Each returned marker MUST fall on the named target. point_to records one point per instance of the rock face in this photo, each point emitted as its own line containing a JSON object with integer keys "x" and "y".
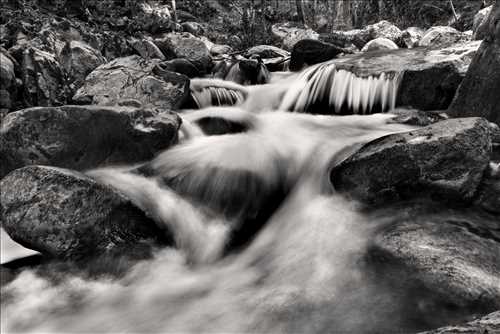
{"x": 290, "y": 34}
{"x": 185, "y": 45}
{"x": 429, "y": 78}
{"x": 78, "y": 60}
{"x": 488, "y": 324}
{"x": 446, "y": 159}
{"x": 478, "y": 93}
{"x": 480, "y": 26}
{"x": 441, "y": 36}
{"x": 64, "y": 214}
{"x": 380, "y": 43}
{"x": 43, "y": 78}
{"x": 450, "y": 256}
{"x": 83, "y": 137}
{"x": 134, "y": 78}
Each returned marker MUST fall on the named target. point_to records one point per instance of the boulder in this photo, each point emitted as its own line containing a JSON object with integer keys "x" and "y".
{"x": 185, "y": 45}
{"x": 308, "y": 52}
{"x": 146, "y": 49}
{"x": 488, "y": 194}
{"x": 489, "y": 323}
{"x": 380, "y": 43}
{"x": 410, "y": 37}
{"x": 182, "y": 66}
{"x": 79, "y": 59}
{"x": 480, "y": 25}
{"x": 428, "y": 79}
{"x": 449, "y": 257}
{"x": 289, "y": 34}
{"x": 441, "y": 36}
{"x": 193, "y": 28}
{"x": 220, "y": 49}
{"x": 267, "y": 51}
{"x": 65, "y": 214}
{"x": 83, "y": 137}
{"x": 446, "y": 159}
{"x": 384, "y": 29}
{"x": 44, "y": 80}
{"x": 7, "y": 81}
{"x": 478, "y": 93}
{"x": 134, "y": 78}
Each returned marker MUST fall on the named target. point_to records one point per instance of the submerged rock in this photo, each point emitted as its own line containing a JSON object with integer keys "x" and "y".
{"x": 446, "y": 159}
{"x": 65, "y": 214}
{"x": 380, "y": 43}
{"x": 448, "y": 256}
{"x": 134, "y": 78}
{"x": 80, "y": 137}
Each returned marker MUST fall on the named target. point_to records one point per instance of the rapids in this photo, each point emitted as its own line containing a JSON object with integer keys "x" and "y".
{"x": 263, "y": 243}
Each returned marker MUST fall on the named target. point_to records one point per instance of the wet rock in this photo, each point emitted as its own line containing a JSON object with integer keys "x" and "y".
{"x": 380, "y": 43}
{"x": 441, "y": 36}
{"x": 450, "y": 256}
{"x": 410, "y": 37}
{"x": 44, "y": 80}
{"x": 485, "y": 325}
{"x": 446, "y": 159}
{"x": 267, "y": 51}
{"x": 429, "y": 78}
{"x": 308, "y": 52}
{"x": 65, "y": 214}
{"x": 417, "y": 117}
{"x": 134, "y": 78}
{"x": 83, "y": 137}
{"x": 478, "y": 93}
{"x": 185, "y": 45}
{"x": 78, "y": 60}
{"x": 480, "y": 26}
{"x": 290, "y": 33}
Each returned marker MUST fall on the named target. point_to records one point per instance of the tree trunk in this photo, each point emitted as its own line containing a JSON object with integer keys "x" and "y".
{"x": 478, "y": 93}
{"x": 174, "y": 11}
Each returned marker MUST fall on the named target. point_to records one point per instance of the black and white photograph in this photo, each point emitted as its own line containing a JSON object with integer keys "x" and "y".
{"x": 250, "y": 166}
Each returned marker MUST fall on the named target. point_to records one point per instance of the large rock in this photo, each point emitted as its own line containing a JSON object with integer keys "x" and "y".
{"x": 79, "y": 59}
{"x": 146, "y": 48}
{"x": 7, "y": 81}
{"x": 478, "y": 93}
{"x": 44, "y": 80}
{"x": 134, "y": 78}
{"x": 80, "y": 137}
{"x": 185, "y": 45}
{"x": 446, "y": 159}
{"x": 308, "y": 52}
{"x": 384, "y": 29}
{"x": 267, "y": 51}
{"x": 64, "y": 214}
{"x": 428, "y": 79}
{"x": 480, "y": 26}
{"x": 441, "y": 36}
{"x": 490, "y": 323}
{"x": 380, "y": 43}
{"x": 289, "y": 34}
{"x": 449, "y": 257}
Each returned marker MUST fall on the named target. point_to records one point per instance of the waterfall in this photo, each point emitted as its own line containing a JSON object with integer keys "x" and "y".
{"x": 339, "y": 91}
{"x": 214, "y": 92}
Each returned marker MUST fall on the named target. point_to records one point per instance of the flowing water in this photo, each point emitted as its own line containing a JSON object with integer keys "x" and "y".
{"x": 298, "y": 265}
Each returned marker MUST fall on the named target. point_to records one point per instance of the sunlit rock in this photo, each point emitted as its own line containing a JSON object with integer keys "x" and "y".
{"x": 290, "y": 33}
{"x": 380, "y": 43}
{"x": 441, "y": 36}
{"x": 480, "y": 27}
{"x": 487, "y": 324}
